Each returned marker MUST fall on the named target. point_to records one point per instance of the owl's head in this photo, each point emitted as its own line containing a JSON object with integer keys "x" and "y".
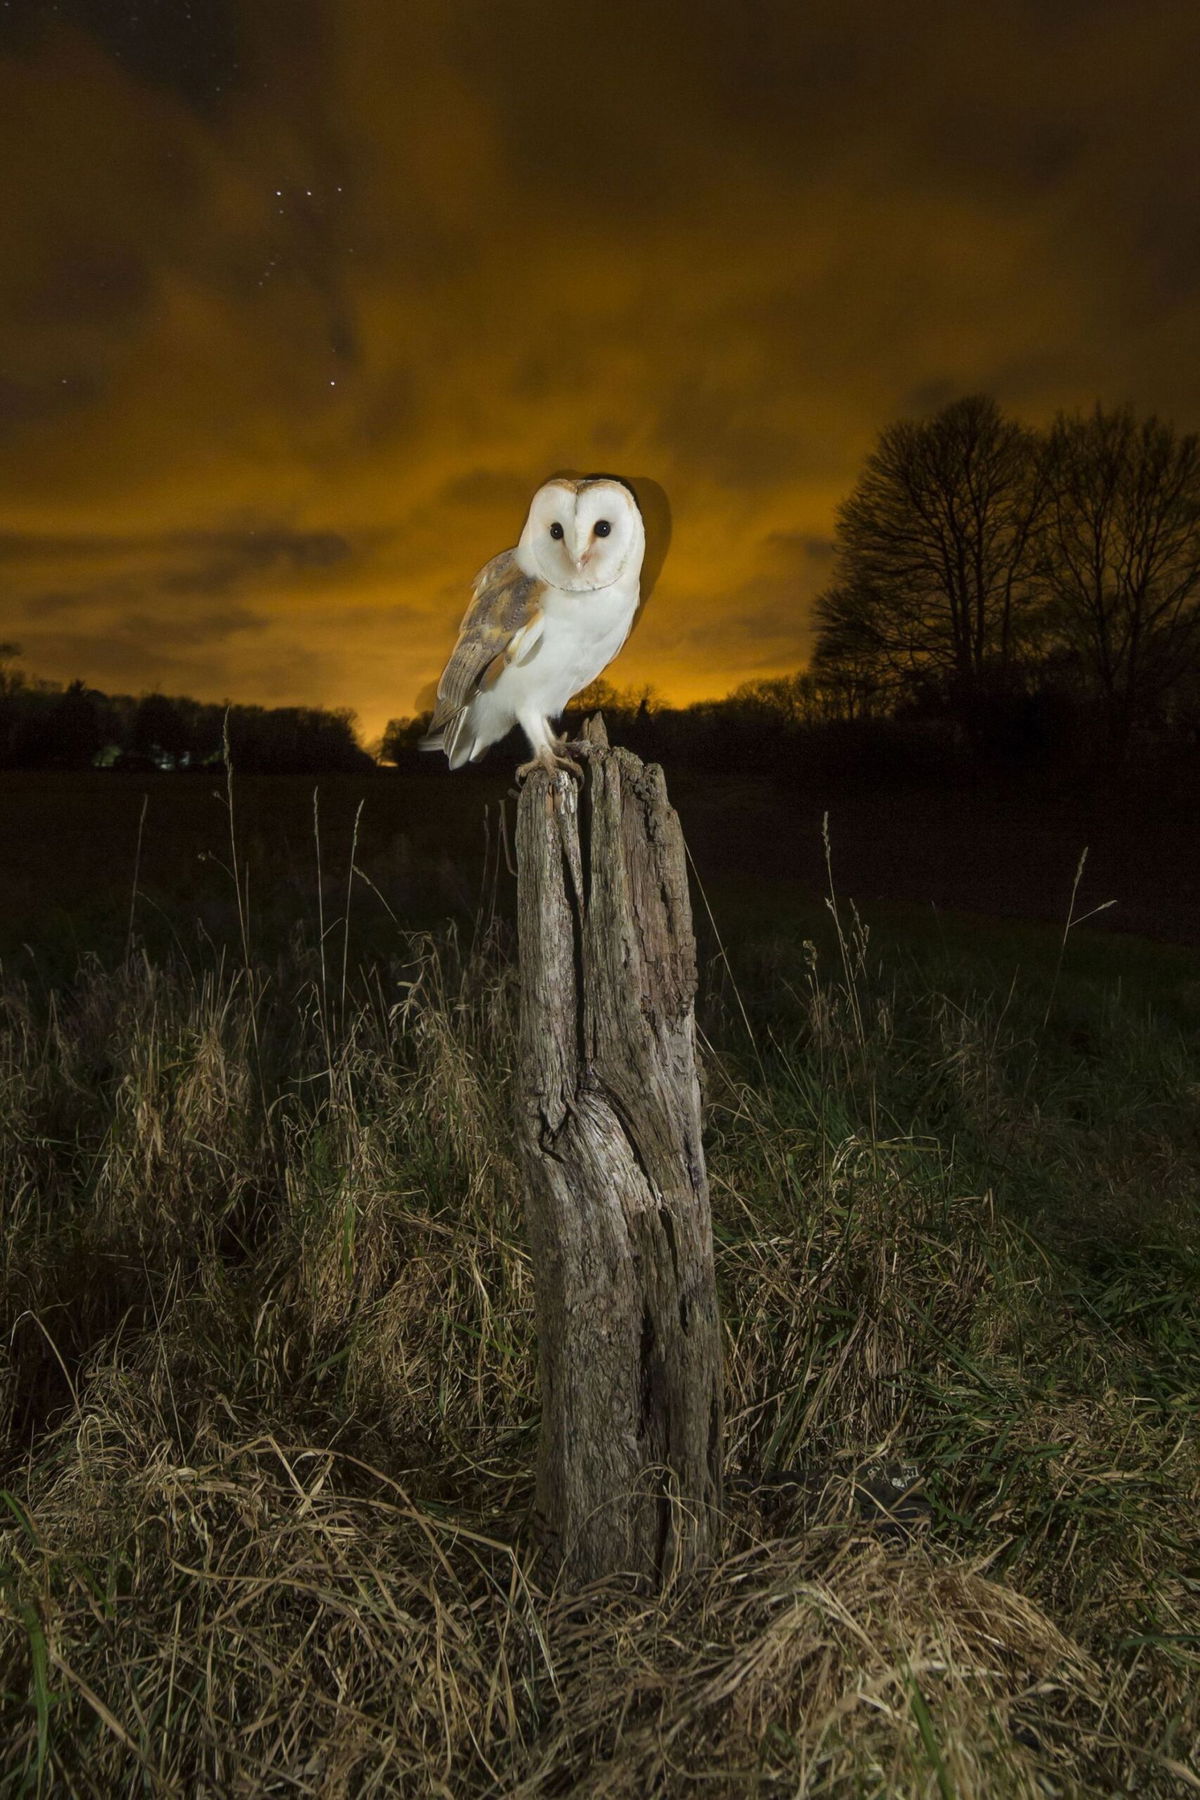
{"x": 582, "y": 535}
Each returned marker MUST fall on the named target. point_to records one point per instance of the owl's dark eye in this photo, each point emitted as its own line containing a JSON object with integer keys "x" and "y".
{"x": 556, "y": 530}
{"x": 602, "y": 528}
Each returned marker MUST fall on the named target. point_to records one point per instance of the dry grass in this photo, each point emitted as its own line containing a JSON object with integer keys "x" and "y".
{"x": 280, "y": 1619}
{"x": 269, "y": 1390}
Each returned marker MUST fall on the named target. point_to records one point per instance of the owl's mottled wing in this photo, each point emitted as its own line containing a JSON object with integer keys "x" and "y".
{"x": 503, "y": 624}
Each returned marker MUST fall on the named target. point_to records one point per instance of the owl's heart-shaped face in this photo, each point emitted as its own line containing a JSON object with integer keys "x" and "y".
{"x": 583, "y": 535}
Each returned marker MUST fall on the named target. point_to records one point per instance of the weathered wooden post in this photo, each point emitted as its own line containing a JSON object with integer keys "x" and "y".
{"x": 629, "y": 1459}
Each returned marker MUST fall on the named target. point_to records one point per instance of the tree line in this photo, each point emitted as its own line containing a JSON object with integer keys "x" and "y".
{"x": 980, "y": 564}
{"x": 44, "y": 724}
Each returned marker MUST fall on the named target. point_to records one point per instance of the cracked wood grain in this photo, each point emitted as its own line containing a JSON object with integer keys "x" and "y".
{"x": 629, "y": 1458}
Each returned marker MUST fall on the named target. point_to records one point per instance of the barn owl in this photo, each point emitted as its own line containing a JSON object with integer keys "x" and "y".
{"x": 544, "y": 620}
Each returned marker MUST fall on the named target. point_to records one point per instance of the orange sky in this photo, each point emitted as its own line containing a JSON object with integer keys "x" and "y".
{"x": 301, "y": 301}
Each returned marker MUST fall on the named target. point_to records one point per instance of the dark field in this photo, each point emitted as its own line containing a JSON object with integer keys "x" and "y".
{"x": 268, "y": 1399}
{"x": 73, "y": 844}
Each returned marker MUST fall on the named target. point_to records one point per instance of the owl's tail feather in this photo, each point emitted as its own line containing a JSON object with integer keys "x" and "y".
{"x": 455, "y": 737}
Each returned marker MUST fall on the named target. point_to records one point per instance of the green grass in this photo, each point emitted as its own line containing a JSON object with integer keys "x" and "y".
{"x": 268, "y": 1370}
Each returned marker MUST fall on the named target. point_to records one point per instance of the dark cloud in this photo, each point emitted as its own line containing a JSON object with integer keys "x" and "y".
{"x": 91, "y": 599}
{"x": 88, "y": 283}
{"x": 40, "y": 402}
{"x": 387, "y": 411}
{"x": 251, "y": 550}
{"x": 56, "y": 601}
{"x": 139, "y": 653}
{"x": 730, "y": 432}
{"x": 156, "y": 592}
{"x": 191, "y": 49}
{"x": 121, "y": 663}
{"x": 498, "y": 488}
{"x": 1000, "y": 149}
{"x": 165, "y": 630}
{"x": 928, "y": 396}
{"x": 800, "y": 548}
{"x": 759, "y": 627}
{"x": 222, "y": 562}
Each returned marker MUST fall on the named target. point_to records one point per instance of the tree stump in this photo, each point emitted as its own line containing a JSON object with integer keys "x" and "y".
{"x": 630, "y": 1452}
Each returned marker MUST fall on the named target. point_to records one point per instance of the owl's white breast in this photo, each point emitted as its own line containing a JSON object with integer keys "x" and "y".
{"x": 582, "y": 634}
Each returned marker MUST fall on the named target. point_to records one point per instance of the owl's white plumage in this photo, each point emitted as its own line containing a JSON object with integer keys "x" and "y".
{"x": 544, "y": 620}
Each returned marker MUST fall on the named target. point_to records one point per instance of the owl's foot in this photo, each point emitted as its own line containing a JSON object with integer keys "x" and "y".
{"x": 552, "y": 761}
{"x": 583, "y": 747}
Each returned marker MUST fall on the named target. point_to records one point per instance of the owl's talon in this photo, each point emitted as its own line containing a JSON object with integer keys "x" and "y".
{"x": 552, "y": 762}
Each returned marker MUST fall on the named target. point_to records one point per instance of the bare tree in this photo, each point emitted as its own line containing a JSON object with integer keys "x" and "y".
{"x": 839, "y": 690}
{"x": 602, "y": 696}
{"x": 853, "y": 660}
{"x": 937, "y": 554}
{"x": 787, "y": 699}
{"x": 1122, "y": 558}
{"x": 11, "y": 681}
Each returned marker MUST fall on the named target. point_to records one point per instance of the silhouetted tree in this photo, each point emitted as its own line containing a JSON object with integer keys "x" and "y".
{"x": 158, "y": 726}
{"x": 1122, "y": 560}
{"x": 295, "y": 740}
{"x": 849, "y": 667}
{"x": 75, "y": 727}
{"x": 937, "y": 556}
{"x": 42, "y": 725}
{"x": 401, "y": 738}
{"x": 602, "y": 696}
{"x": 791, "y": 699}
{"x": 11, "y": 681}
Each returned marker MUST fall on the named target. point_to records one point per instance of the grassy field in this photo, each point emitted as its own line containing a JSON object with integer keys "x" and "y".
{"x": 76, "y": 844}
{"x": 267, "y": 1372}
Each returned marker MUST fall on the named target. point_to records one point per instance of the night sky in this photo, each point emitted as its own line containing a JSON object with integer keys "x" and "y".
{"x": 300, "y": 302}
